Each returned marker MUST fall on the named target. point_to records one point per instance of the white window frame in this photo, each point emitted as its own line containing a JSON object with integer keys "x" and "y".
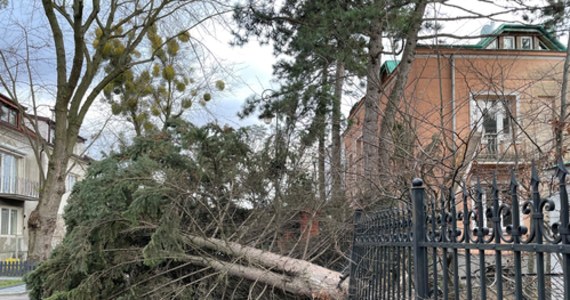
{"x": 8, "y": 185}
{"x": 510, "y": 38}
{"x": 69, "y": 183}
{"x": 493, "y": 44}
{"x": 8, "y": 115}
{"x": 529, "y": 38}
{"x": 478, "y": 108}
{"x": 51, "y": 135}
{"x": 19, "y": 229}
{"x": 477, "y": 105}
{"x": 495, "y": 108}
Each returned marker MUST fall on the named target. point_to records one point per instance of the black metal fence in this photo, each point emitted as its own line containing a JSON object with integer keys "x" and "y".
{"x": 16, "y": 268}
{"x": 490, "y": 244}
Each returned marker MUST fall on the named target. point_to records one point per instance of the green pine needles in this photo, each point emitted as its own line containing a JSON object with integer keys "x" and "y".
{"x": 128, "y": 220}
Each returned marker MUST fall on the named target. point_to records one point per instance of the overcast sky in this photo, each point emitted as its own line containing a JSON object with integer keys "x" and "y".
{"x": 246, "y": 70}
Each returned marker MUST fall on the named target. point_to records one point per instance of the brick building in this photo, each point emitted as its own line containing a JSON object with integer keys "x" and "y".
{"x": 477, "y": 109}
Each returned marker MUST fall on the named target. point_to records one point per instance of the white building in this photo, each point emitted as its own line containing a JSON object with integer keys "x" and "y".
{"x": 20, "y": 174}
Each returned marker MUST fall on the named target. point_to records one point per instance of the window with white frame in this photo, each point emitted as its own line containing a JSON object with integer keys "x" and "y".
{"x": 8, "y": 115}
{"x": 526, "y": 43}
{"x": 52, "y": 135}
{"x": 70, "y": 181}
{"x": 492, "y": 115}
{"x": 9, "y": 221}
{"x": 509, "y": 42}
{"x": 8, "y": 173}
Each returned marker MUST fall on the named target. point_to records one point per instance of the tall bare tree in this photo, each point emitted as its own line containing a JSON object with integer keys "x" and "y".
{"x": 92, "y": 45}
{"x": 377, "y": 139}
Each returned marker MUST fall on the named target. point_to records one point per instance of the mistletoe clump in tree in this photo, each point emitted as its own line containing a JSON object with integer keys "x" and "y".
{"x": 153, "y": 97}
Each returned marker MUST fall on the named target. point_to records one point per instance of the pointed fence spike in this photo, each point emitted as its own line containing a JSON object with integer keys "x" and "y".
{"x": 561, "y": 170}
{"x": 514, "y": 181}
{"x": 451, "y": 196}
{"x": 534, "y": 174}
{"x": 442, "y": 196}
{"x": 478, "y": 186}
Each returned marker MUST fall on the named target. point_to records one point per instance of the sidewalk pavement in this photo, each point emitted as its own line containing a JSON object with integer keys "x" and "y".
{"x": 12, "y": 290}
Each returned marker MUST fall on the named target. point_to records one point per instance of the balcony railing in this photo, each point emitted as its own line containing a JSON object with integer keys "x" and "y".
{"x": 19, "y": 186}
{"x": 490, "y": 142}
{"x": 493, "y": 148}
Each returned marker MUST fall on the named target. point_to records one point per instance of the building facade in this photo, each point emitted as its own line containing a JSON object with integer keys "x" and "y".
{"x": 22, "y": 161}
{"x": 471, "y": 110}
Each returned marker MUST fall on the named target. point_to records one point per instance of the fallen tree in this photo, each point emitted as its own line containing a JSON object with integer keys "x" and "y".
{"x": 161, "y": 220}
{"x": 289, "y": 274}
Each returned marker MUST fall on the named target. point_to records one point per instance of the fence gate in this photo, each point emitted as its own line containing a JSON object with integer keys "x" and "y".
{"x": 486, "y": 244}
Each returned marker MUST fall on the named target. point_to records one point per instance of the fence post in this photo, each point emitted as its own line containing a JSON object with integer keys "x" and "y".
{"x": 354, "y": 259}
{"x": 419, "y": 230}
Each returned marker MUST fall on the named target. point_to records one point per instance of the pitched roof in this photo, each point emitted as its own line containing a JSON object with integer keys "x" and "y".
{"x": 553, "y": 42}
{"x": 389, "y": 66}
{"x": 550, "y": 41}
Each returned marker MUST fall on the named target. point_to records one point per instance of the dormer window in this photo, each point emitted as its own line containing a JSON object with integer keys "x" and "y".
{"x": 526, "y": 43}
{"x": 518, "y": 37}
{"x": 508, "y": 42}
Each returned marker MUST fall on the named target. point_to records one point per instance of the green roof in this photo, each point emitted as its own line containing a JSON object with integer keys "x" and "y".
{"x": 389, "y": 66}
{"x": 553, "y": 42}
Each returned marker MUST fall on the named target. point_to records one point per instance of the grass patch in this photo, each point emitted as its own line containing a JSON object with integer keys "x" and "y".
{"x": 8, "y": 283}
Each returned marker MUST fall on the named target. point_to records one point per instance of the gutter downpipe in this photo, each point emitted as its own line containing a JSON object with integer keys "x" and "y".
{"x": 453, "y": 118}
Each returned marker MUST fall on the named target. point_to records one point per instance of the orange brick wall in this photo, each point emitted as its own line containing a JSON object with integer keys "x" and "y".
{"x": 533, "y": 77}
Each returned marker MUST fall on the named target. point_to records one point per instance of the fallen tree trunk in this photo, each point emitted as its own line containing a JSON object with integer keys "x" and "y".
{"x": 289, "y": 274}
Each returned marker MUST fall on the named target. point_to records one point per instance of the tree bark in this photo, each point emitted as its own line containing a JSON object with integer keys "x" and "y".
{"x": 321, "y": 124}
{"x": 321, "y": 148}
{"x": 336, "y": 166}
{"x": 296, "y": 276}
{"x": 386, "y": 141}
{"x": 42, "y": 220}
{"x": 371, "y": 111}
{"x": 559, "y": 129}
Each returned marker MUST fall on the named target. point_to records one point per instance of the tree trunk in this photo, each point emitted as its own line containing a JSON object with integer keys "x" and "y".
{"x": 371, "y": 112}
{"x": 296, "y": 276}
{"x": 386, "y": 141}
{"x": 336, "y": 167}
{"x": 321, "y": 165}
{"x": 42, "y": 220}
{"x": 321, "y": 124}
{"x": 559, "y": 129}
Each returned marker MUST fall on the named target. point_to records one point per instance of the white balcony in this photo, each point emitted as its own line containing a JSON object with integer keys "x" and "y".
{"x": 495, "y": 148}
{"x": 18, "y": 188}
